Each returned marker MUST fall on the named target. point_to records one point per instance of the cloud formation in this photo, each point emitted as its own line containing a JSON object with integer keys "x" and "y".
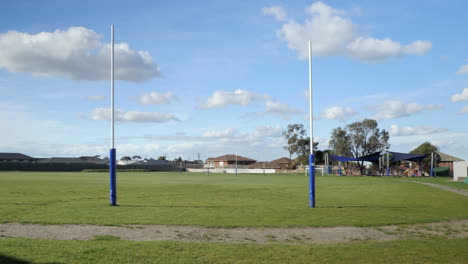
{"x": 276, "y": 11}
{"x": 397, "y": 109}
{"x": 76, "y": 53}
{"x": 464, "y": 110}
{"x": 104, "y": 114}
{"x": 338, "y": 113}
{"x": 157, "y": 98}
{"x": 240, "y": 97}
{"x": 282, "y": 110}
{"x": 463, "y": 96}
{"x": 333, "y": 34}
{"x": 398, "y": 131}
{"x": 463, "y": 69}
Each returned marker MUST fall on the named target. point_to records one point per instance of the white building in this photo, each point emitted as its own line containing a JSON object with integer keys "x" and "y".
{"x": 460, "y": 170}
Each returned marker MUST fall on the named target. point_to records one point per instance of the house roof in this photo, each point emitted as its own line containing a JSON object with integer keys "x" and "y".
{"x": 264, "y": 165}
{"x": 63, "y": 160}
{"x": 14, "y": 156}
{"x": 231, "y": 157}
{"x": 282, "y": 160}
{"x": 447, "y": 157}
{"x": 154, "y": 162}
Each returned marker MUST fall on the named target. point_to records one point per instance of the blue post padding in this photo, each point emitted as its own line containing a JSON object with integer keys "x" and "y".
{"x": 432, "y": 172}
{"x": 328, "y": 169}
{"x": 113, "y": 181}
{"x": 388, "y": 171}
{"x": 311, "y": 181}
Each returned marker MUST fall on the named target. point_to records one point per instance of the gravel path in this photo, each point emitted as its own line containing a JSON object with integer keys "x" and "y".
{"x": 308, "y": 235}
{"x": 450, "y": 189}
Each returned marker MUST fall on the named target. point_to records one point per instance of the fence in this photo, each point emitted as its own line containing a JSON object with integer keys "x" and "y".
{"x": 232, "y": 171}
{"x": 80, "y": 167}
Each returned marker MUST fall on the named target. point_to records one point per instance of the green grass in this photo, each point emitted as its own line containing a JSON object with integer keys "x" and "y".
{"x": 446, "y": 181}
{"x": 221, "y": 200}
{"x": 17, "y": 250}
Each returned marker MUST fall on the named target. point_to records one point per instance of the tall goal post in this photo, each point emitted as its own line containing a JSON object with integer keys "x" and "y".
{"x": 112, "y": 156}
{"x": 311, "y": 156}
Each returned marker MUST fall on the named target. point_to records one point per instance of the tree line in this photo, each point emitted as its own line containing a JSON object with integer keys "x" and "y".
{"x": 353, "y": 140}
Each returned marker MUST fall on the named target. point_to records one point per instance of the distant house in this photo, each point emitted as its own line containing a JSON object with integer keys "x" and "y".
{"x": 127, "y": 162}
{"x": 262, "y": 165}
{"x": 283, "y": 163}
{"x": 229, "y": 161}
{"x": 16, "y": 157}
{"x": 277, "y": 164}
{"x": 70, "y": 160}
{"x": 447, "y": 161}
{"x": 151, "y": 162}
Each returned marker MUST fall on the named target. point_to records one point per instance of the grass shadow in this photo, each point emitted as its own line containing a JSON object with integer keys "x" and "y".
{"x": 11, "y": 260}
{"x": 23, "y": 204}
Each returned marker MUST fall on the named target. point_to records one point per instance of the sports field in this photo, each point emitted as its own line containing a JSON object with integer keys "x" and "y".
{"x": 222, "y": 200}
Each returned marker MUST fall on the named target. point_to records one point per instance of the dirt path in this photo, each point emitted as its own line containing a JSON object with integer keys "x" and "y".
{"x": 450, "y": 189}
{"x": 308, "y": 235}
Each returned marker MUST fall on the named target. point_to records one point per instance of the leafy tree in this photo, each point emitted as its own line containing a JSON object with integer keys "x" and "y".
{"x": 359, "y": 139}
{"x": 298, "y": 143}
{"x": 136, "y": 157}
{"x": 162, "y": 157}
{"x": 126, "y": 158}
{"x": 427, "y": 148}
{"x": 340, "y": 142}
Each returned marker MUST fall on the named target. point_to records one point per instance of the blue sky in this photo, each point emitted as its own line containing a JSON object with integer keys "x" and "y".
{"x": 220, "y": 77}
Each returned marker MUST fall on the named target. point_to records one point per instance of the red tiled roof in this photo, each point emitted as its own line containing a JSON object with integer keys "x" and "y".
{"x": 282, "y": 160}
{"x": 230, "y": 157}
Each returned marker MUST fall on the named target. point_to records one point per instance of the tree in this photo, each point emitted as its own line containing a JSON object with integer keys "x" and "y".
{"x": 340, "y": 142}
{"x": 126, "y": 158}
{"x": 359, "y": 139}
{"x": 162, "y": 157}
{"x": 298, "y": 143}
{"x": 136, "y": 157}
{"x": 427, "y": 148}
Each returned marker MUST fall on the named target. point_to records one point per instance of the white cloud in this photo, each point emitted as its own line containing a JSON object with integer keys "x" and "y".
{"x": 333, "y": 34}
{"x": 371, "y": 49}
{"x": 276, "y": 11}
{"x": 398, "y": 131}
{"x": 76, "y": 53}
{"x": 328, "y": 32}
{"x": 267, "y": 131}
{"x": 338, "y": 113}
{"x": 240, "y": 97}
{"x": 230, "y": 132}
{"x": 463, "y": 69}
{"x": 464, "y": 110}
{"x": 99, "y": 114}
{"x": 95, "y": 97}
{"x": 156, "y": 98}
{"x": 282, "y": 110}
{"x": 417, "y": 48}
{"x": 463, "y": 96}
{"x": 397, "y": 109}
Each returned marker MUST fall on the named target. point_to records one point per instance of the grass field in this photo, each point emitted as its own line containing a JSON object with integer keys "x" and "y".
{"x": 224, "y": 201}
{"x": 17, "y": 251}
{"x": 446, "y": 181}
{"x": 218, "y": 200}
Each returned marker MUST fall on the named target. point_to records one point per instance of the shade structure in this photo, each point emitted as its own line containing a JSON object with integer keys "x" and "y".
{"x": 341, "y": 158}
{"x": 396, "y": 156}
